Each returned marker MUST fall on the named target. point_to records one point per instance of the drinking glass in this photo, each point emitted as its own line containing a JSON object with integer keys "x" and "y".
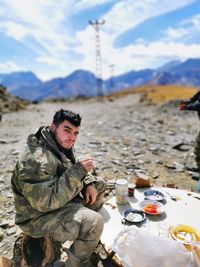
{"x": 163, "y": 229}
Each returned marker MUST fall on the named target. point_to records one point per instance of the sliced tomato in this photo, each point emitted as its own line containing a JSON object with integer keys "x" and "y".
{"x": 151, "y": 208}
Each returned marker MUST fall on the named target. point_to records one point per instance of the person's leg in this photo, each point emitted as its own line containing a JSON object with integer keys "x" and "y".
{"x": 197, "y": 151}
{"x": 84, "y": 227}
{"x": 197, "y": 157}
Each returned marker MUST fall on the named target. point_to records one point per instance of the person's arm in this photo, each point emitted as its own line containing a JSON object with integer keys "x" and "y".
{"x": 42, "y": 187}
{"x": 195, "y": 97}
{"x": 88, "y": 163}
{"x": 193, "y": 106}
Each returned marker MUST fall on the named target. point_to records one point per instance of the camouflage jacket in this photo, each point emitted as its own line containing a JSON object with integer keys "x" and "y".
{"x": 45, "y": 179}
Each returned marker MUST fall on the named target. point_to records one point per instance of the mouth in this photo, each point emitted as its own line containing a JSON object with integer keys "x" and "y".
{"x": 68, "y": 143}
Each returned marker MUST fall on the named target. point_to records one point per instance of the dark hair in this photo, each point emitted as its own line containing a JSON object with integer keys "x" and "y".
{"x": 62, "y": 115}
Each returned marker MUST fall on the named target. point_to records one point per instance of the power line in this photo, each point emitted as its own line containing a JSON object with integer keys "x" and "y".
{"x": 96, "y": 25}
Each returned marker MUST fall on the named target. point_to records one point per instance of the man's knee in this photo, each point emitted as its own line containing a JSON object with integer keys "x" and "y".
{"x": 92, "y": 225}
{"x": 99, "y": 222}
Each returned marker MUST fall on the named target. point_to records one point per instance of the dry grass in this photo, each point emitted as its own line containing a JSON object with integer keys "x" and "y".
{"x": 159, "y": 94}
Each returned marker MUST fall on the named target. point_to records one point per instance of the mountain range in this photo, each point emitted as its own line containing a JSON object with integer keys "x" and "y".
{"x": 27, "y": 85}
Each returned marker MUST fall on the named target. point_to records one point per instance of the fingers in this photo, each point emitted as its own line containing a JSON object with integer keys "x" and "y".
{"x": 92, "y": 200}
{"x": 87, "y": 163}
{"x": 87, "y": 198}
{"x": 90, "y": 194}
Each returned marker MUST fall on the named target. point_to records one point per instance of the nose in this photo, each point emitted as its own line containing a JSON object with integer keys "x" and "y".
{"x": 72, "y": 136}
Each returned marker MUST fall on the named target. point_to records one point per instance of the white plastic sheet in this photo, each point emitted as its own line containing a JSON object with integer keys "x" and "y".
{"x": 136, "y": 247}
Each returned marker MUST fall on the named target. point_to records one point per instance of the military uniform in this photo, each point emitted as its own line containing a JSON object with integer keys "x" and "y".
{"x": 48, "y": 183}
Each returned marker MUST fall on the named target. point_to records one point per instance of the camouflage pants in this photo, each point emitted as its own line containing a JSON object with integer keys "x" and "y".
{"x": 197, "y": 151}
{"x": 84, "y": 226}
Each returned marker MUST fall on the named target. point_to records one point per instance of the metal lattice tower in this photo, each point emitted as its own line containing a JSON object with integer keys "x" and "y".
{"x": 96, "y": 24}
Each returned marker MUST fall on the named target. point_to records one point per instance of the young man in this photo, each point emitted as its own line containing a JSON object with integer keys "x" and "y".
{"x": 52, "y": 189}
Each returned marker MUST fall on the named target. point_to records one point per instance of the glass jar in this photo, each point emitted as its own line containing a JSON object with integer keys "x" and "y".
{"x": 121, "y": 191}
{"x": 131, "y": 189}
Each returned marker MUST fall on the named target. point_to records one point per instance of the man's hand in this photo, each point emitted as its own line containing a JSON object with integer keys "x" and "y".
{"x": 90, "y": 194}
{"x": 182, "y": 106}
{"x": 87, "y": 163}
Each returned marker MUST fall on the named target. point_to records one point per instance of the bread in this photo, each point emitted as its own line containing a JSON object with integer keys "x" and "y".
{"x": 142, "y": 182}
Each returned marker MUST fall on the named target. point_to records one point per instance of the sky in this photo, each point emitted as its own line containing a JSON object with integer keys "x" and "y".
{"x": 53, "y": 38}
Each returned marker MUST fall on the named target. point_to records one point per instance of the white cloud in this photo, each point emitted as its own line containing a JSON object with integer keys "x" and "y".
{"x": 14, "y": 30}
{"x": 176, "y": 34}
{"x": 49, "y": 60}
{"x": 137, "y": 57}
{"x": 196, "y": 21}
{"x": 41, "y": 19}
{"x": 9, "y": 66}
{"x": 86, "y": 4}
{"x": 185, "y": 30}
{"x": 127, "y": 14}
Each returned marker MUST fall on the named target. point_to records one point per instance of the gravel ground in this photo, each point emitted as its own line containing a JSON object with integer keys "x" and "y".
{"x": 127, "y": 138}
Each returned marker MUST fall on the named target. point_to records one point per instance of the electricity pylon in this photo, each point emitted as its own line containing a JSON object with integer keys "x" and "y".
{"x": 96, "y": 24}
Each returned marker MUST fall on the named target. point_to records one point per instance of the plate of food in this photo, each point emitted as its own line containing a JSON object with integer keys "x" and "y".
{"x": 184, "y": 233}
{"x": 153, "y": 194}
{"x": 151, "y": 207}
{"x": 134, "y": 215}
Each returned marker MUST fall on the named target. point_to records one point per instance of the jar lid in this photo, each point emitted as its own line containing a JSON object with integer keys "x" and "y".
{"x": 121, "y": 182}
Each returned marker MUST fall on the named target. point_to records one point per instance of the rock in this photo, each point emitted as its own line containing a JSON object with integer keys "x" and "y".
{"x": 3, "y": 142}
{"x": 11, "y": 231}
{"x": 4, "y": 224}
{"x": 182, "y": 147}
{"x": 1, "y": 235}
{"x": 155, "y": 175}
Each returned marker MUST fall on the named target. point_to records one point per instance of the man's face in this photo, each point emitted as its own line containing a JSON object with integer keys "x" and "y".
{"x": 65, "y": 133}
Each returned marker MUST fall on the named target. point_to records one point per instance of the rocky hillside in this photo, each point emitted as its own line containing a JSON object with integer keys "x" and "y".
{"x": 10, "y": 103}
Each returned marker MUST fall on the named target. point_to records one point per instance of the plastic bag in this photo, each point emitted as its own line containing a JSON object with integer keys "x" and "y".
{"x": 136, "y": 247}
{"x": 195, "y": 248}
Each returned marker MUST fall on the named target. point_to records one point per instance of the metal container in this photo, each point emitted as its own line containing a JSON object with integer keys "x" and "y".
{"x": 131, "y": 189}
{"x": 121, "y": 191}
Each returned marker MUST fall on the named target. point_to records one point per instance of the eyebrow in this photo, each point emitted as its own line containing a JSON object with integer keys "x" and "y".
{"x": 69, "y": 128}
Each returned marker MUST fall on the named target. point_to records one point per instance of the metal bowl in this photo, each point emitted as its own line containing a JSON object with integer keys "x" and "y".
{"x": 151, "y": 207}
{"x": 154, "y": 195}
{"x": 134, "y": 215}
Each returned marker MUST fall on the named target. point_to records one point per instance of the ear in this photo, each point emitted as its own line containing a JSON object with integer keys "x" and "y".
{"x": 53, "y": 127}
